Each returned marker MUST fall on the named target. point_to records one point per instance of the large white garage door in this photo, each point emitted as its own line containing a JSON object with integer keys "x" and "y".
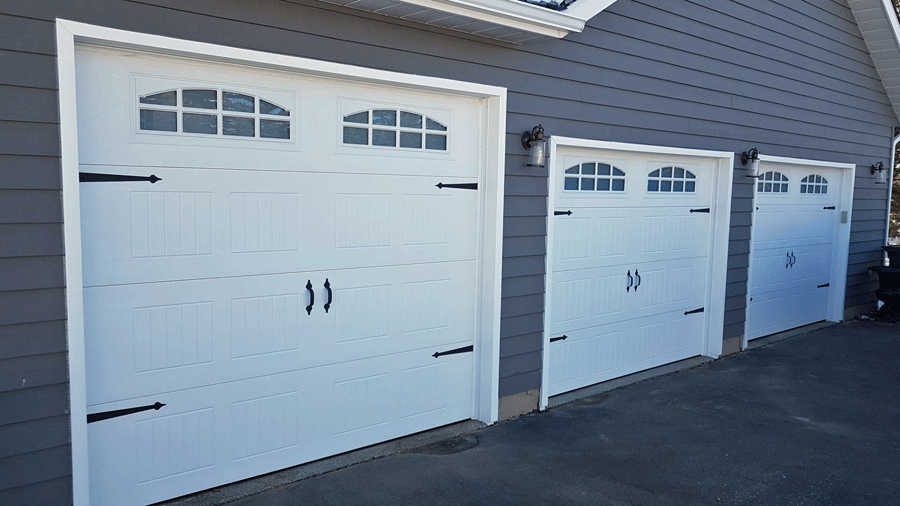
{"x": 795, "y": 236}
{"x": 630, "y": 266}
{"x": 271, "y": 259}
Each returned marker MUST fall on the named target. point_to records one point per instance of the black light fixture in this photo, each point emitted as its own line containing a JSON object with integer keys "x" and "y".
{"x": 537, "y": 144}
{"x": 751, "y": 156}
{"x": 880, "y": 173}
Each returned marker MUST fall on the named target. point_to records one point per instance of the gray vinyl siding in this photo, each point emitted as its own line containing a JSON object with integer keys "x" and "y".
{"x": 792, "y": 78}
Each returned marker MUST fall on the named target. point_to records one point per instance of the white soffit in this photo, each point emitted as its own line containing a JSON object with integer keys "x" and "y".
{"x": 507, "y": 20}
{"x": 880, "y": 28}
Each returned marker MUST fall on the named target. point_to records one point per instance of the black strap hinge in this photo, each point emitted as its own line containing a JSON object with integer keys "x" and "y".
{"x": 91, "y": 177}
{"x": 105, "y": 415}
{"x": 823, "y": 286}
{"x": 461, "y": 186}
{"x": 695, "y": 311}
{"x": 704, "y": 210}
{"x": 560, "y": 213}
{"x": 832, "y": 208}
{"x": 464, "y": 349}
{"x": 560, "y": 338}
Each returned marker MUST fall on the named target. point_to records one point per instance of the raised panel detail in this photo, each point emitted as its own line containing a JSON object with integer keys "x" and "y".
{"x": 428, "y": 219}
{"x": 170, "y": 224}
{"x": 423, "y": 389}
{"x": 363, "y": 313}
{"x": 264, "y": 222}
{"x": 175, "y": 444}
{"x": 172, "y": 336}
{"x": 573, "y": 241}
{"x": 426, "y": 305}
{"x": 362, "y": 221}
{"x": 360, "y": 403}
{"x": 262, "y": 325}
{"x": 571, "y": 300}
{"x": 264, "y": 424}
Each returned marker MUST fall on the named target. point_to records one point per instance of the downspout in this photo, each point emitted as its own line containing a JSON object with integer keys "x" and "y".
{"x": 887, "y": 230}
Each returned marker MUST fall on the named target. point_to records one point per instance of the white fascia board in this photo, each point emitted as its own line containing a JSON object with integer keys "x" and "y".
{"x": 522, "y": 15}
{"x": 805, "y": 162}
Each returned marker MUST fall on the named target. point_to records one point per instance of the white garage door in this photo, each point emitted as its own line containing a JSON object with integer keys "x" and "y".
{"x": 795, "y": 234}
{"x": 271, "y": 259}
{"x": 630, "y": 265}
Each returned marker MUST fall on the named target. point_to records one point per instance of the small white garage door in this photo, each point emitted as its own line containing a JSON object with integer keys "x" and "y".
{"x": 630, "y": 272}
{"x": 271, "y": 259}
{"x": 796, "y": 229}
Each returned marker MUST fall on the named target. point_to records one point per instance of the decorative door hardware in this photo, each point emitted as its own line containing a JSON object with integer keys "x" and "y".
{"x": 695, "y": 311}
{"x": 328, "y": 288}
{"x": 791, "y": 260}
{"x": 703, "y": 210}
{"x": 559, "y": 213}
{"x": 464, "y": 349}
{"x": 461, "y": 186}
{"x": 638, "y": 278}
{"x": 832, "y": 208}
{"x": 312, "y": 297}
{"x": 823, "y": 286}
{"x": 560, "y": 338}
{"x": 630, "y": 282}
{"x": 106, "y": 415}
{"x": 91, "y": 177}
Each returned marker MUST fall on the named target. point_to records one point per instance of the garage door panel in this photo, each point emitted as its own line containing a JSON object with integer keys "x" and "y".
{"x": 604, "y": 352}
{"x": 222, "y": 433}
{"x": 793, "y": 225}
{"x": 785, "y": 309}
{"x": 191, "y": 333}
{"x": 175, "y": 228}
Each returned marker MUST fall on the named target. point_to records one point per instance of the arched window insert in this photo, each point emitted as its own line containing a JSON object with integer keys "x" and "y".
{"x": 814, "y": 184}
{"x": 594, "y": 176}
{"x": 214, "y": 112}
{"x": 394, "y": 128}
{"x": 772, "y": 182}
{"x": 672, "y": 180}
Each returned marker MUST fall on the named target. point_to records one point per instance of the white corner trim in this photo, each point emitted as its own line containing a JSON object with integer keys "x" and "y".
{"x": 68, "y": 119}
{"x": 494, "y": 103}
{"x": 890, "y": 197}
{"x": 718, "y": 247}
{"x": 891, "y": 15}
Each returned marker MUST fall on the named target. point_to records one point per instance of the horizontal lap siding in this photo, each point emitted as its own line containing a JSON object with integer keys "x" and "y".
{"x": 792, "y": 78}
{"x": 35, "y": 459}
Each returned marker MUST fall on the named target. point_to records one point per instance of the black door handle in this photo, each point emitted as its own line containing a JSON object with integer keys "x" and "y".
{"x": 630, "y": 281}
{"x": 788, "y": 264}
{"x": 328, "y": 288}
{"x": 312, "y": 297}
{"x": 793, "y": 259}
{"x": 638, "y": 276}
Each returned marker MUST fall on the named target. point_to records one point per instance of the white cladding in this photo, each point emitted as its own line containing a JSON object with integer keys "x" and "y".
{"x": 283, "y": 298}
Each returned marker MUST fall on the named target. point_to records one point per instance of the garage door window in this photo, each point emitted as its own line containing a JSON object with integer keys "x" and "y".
{"x": 671, "y": 180}
{"x": 772, "y": 182}
{"x": 814, "y": 184}
{"x": 213, "y": 112}
{"x": 394, "y": 128}
{"x": 594, "y": 176}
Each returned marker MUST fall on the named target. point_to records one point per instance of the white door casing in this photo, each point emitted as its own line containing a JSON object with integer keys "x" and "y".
{"x": 799, "y": 244}
{"x": 671, "y": 245}
{"x": 151, "y": 294}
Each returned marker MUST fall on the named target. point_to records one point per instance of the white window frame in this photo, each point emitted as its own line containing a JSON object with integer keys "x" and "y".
{"x": 490, "y": 187}
{"x": 718, "y": 247}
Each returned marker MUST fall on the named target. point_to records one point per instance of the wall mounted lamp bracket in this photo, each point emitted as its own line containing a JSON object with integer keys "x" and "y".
{"x": 536, "y": 143}
{"x": 880, "y": 173}
{"x": 752, "y": 156}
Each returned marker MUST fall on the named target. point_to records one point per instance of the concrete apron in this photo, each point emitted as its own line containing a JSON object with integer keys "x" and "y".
{"x": 449, "y": 435}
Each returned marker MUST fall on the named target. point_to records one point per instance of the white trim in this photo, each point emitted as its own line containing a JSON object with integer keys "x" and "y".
{"x": 837, "y": 296}
{"x": 487, "y": 343}
{"x": 890, "y": 182}
{"x": 718, "y": 248}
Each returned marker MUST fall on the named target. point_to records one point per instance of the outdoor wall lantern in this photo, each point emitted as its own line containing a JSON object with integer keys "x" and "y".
{"x": 880, "y": 173}
{"x": 751, "y": 156}
{"x": 537, "y": 144}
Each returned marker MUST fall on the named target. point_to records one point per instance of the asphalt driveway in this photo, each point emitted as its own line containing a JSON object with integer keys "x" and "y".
{"x": 810, "y": 420}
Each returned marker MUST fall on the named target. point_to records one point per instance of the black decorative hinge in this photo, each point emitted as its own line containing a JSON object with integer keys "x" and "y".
{"x": 704, "y": 210}
{"x": 91, "y": 177}
{"x": 823, "y": 286}
{"x": 105, "y": 415}
{"x": 695, "y": 311}
{"x": 560, "y": 213}
{"x": 461, "y": 186}
{"x": 752, "y": 175}
{"x": 560, "y": 338}
{"x": 464, "y": 349}
{"x": 831, "y": 208}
